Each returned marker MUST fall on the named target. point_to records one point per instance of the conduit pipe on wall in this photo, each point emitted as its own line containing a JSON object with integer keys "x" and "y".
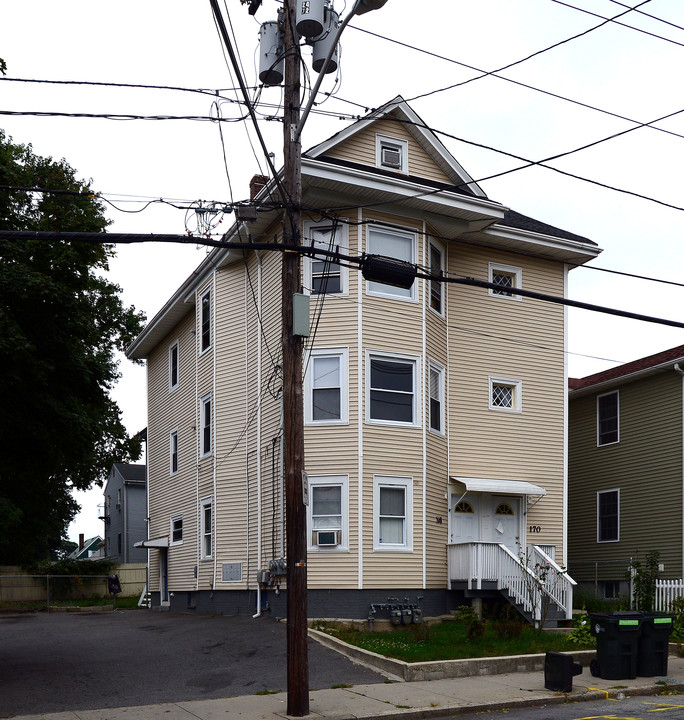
{"x": 258, "y": 436}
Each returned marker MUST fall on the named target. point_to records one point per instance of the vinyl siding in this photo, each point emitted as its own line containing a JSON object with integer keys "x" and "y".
{"x": 518, "y": 340}
{"x": 361, "y": 149}
{"x": 645, "y": 465}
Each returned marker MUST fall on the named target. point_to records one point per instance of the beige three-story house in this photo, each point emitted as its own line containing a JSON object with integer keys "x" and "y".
{"x": 435, "y": 416}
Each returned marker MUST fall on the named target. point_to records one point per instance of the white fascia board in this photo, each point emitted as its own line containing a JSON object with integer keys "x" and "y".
{"x": 402, "y": 189}
{"x": 175, "y": 308}
{"x": 607, "y": 385}
{"x": 585, "y": 251}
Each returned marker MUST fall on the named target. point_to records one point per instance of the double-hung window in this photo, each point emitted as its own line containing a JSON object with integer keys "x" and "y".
{"x": 205, "y": 321}
{"x": 173, "y": 452}
{"x": 326, "y": 384}
{"x": 436, "y": 285}
{"x": 206, "y": 529}
{"x": 322, "y": 275}
{"x": 328, "y": 516}
{"x": 608, "y": 418}
{"x": 436, "y": 388}
{"x": 392, "y": 513}
{"x": 173, "y": 366}
{"x": 392, "y": 244}
{"x": 508, "y": 278}
{"x": 392, "y": 389}
{"x": 205, "y": 425}
{"x": 608, "y": 515}
{"x": 176, "y": 530}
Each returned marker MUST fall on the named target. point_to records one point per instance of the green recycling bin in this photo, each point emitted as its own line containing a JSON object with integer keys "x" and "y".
{"x": 654, "y": 644}
{"x": 617, "y": 640}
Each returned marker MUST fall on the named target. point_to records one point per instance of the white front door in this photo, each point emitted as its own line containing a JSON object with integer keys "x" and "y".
{"x": 464, "y": 519}
{"x": 506, "y": 522}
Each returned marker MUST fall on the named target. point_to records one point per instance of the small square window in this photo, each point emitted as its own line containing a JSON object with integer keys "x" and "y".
{"x": 391, "y": 153}
{"x": 505, "y": 394}
{"x": 508, "y": 278}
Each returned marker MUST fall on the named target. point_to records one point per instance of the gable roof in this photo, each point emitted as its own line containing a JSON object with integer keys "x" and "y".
{"x": 658, "y": 362}
{"x": 399, "y": 110}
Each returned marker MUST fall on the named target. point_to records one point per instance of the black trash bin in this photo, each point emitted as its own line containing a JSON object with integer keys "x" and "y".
{"x": 617, "y": 639}
{"x": 654, "y": 644}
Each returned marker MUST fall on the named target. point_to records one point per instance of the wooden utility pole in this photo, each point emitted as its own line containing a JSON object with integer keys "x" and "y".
{"x": 293, "y": 400}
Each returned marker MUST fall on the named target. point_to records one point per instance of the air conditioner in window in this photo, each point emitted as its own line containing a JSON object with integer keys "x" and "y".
{"x": 326, "y": 538}
{"x": 391, "y": 157}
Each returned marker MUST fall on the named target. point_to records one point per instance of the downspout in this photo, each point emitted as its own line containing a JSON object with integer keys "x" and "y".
{"x": 424, "y": 373}
{"x": 360, "y": 412}
{"x": 124, "y": 548}
{"x": 566, "y": 422}
{"x": 214, "y": 429}
{"x": 198, "y": 419}
{"x": 258, "y": 427}
{"x": 677, "y": 368}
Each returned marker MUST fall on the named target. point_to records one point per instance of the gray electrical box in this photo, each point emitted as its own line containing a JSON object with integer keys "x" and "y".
{"x": 300, "y": 314}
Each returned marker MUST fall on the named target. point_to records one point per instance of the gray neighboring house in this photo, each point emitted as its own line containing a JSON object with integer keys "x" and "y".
{"x": 626, "y": 471}
{"x": 125, "y": 513}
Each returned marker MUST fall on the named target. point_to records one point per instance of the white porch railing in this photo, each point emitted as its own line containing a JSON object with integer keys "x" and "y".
{"x": 488, "y": 561}
{"x": 666, "y": 592}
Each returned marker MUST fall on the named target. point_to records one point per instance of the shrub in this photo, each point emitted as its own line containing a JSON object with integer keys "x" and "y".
{"x": 507, "y": 629}
{"x": 581, "y": 634}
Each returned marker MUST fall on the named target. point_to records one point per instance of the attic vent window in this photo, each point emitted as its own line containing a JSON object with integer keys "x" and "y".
{"x": 392, "y": 153}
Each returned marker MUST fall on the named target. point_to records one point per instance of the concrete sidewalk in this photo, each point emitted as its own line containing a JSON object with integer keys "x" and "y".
{"x": 394, "y": 699}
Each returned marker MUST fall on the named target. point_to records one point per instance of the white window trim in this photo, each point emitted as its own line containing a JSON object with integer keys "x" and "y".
{"x": 201, "y": 321}
{"x": 509, "y": 270}
{"x": 343, "y": 355}
{"x": 203, "y": 402}
{"x": 414, "y": 244}
{"x": 433, "y": 365}
{"x": 172, "y": 434}
{"x": 390, "y": 481}
{"x": 343, "y": 482}
{"x": 598, "y": 519}
{"x": 203, "y": 530}
{"x": 598, "y": 419}
{"x": 171, "y": 521}
{"x": 517, "y": 394}
{"x": 174, "y": 345}
{"x": 342, "y": 238}
{"x": 381, "y": 140}
{"x": 442, "y": 268}
{"x": 383, "y": 355}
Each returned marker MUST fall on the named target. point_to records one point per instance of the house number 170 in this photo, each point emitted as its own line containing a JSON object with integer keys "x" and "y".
{"x": 535, "y": 528}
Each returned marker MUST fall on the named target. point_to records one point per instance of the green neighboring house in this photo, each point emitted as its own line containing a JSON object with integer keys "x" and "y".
{"x": 626, "y": 471}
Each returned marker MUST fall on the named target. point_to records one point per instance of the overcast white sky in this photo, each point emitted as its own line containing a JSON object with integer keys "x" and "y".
{"x": 628, "y": 72}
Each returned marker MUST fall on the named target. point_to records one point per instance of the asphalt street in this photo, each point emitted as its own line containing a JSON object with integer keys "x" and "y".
{"x": 84, "y": 661}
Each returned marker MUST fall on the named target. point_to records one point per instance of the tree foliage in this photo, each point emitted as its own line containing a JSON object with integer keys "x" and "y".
{"x": 61, "y": 322}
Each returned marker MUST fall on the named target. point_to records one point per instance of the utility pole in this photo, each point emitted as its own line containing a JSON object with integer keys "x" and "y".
{"x": 293, "y": 400}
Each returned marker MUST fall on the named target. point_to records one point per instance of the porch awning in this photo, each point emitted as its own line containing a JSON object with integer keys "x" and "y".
{"x": 500, "y": 487}
{"x": 160, "y": 542}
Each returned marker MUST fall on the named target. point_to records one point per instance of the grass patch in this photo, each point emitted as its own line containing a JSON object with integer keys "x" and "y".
{"x": 449, "y": 640}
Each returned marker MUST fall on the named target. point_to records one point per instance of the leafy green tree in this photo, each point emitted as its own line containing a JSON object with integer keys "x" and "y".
{"x": 61, "y": 322}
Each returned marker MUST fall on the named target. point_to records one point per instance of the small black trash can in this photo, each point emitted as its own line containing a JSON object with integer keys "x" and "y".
{"x": 617, "y": 639}
{"x": 559, "y": 669}
{"x": 654, "y": 644}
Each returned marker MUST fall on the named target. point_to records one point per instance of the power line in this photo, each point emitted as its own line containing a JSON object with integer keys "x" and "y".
{"x": 534, "y": 54}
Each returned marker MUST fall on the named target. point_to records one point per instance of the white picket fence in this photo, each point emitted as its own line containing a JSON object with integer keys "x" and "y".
{"x": 666, "y": 592}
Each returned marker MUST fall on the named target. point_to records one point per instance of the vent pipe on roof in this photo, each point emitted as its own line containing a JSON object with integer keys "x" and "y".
{"x": 81, "y": 541}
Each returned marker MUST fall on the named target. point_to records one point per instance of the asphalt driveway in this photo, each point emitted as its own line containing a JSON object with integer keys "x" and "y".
{"x": 84, "y": 661}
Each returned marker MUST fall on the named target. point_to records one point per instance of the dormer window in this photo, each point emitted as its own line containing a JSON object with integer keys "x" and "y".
{"x": 391, "y": 153}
